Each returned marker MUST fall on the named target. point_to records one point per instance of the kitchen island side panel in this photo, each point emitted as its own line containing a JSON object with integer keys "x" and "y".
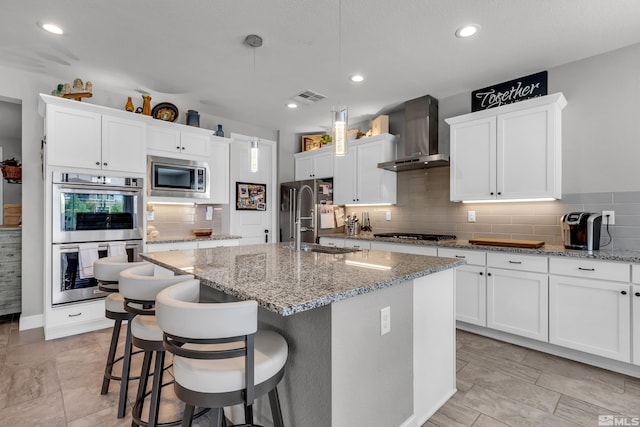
{"x": 372, "y": 374}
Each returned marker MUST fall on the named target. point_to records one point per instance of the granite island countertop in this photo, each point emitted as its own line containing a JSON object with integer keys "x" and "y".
{"x": 288, "y": 282}
{"x": 190, "y": 238}
{"x": 622, "y": 255}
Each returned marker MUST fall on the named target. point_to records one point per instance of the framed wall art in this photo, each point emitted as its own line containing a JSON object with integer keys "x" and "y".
{"x": 251, "y": 197}
{"x": 311, "y": 142}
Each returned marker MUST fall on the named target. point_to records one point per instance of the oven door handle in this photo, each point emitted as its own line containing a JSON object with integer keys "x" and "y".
{"x": 84, "y": 188}
{"x": 76, "y": 248}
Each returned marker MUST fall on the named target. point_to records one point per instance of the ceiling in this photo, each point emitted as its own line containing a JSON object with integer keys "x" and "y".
{"x": 191, "y": 53}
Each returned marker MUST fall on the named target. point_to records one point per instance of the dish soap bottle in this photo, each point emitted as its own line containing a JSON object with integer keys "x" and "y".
{"x": 219, "y": 132}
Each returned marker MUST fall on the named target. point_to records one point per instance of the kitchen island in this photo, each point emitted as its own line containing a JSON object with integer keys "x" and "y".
{"x": 349, "y": 363}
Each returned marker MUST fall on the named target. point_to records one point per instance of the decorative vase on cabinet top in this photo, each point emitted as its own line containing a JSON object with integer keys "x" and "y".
{"x": 219, "y": 132}
{"x": 146, "y": 105}
{"x": 129, "y": 105}
{"x": 193, "y": 118}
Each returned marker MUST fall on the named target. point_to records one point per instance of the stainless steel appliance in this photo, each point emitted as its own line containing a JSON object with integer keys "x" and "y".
{"x": 581, "y": 230}
{"x": 93, "y": 208}
{"x": 68, "y": 283}
{"x": 419, "y": 137}
{"x": 417, "y": 236}
{"x": 311, "y": 207}
{"x": 169, "y": 177}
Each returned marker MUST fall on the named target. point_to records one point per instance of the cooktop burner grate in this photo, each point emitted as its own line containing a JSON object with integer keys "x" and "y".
{"x": 417, "y": 236}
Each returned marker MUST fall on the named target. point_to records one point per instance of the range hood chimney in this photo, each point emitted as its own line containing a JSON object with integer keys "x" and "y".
{"x": 420, "y": 136}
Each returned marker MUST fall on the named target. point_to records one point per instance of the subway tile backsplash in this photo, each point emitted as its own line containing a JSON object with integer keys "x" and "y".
{"x": 178, "y": 221}
{"x": 424, "y": 206}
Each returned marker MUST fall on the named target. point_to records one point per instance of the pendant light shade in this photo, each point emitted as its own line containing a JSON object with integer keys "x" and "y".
{"x": 339, "y": 131}
{"x": 253, "y": 156}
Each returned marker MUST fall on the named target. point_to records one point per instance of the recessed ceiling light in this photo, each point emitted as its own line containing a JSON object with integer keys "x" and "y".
{"x": 292, "y": 105}
{"x": 52, "y": 28}
{"x": 357, "y": 78}
{"x": 467, "y": 30}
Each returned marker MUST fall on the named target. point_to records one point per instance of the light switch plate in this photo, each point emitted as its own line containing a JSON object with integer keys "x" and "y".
{"x": 209, "y": 212}
{"x": 388, "y": 216}
{"x": 385, "y": 320}
{"x": 150, "y": 216}
{"x": 471, "y": 216}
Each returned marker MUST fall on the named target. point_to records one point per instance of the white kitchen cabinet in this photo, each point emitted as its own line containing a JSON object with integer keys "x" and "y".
{"x": 591, "y": 316}
{"x": 219, "y": 170}
{"x": 635, "y": 326}
{"x": 204, "y": 244}
{"x": 89, "y": 140}
{"x": 356, "y": 176}
{"x": 508, "y": 152}
{"x": 404, "y": 248}
{"x": 314, "y": 164}
{"x": 171, "y": 139}
{"x": 332, "y": 241}
{"x": 356, "y": 243}
{"x": 471, "y": 285}
{"x": 173, "y": 246}
{"x": 517, "y": 302}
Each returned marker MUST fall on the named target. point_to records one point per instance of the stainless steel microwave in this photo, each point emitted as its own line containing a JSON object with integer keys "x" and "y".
{"x": 169, "y": 177}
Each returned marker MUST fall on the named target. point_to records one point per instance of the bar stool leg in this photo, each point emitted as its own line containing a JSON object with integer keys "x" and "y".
{"x": 142, "y": 385}
{"x": 157, "y": 387}
{"x": 108, "y": 369}
{"x": 126, "y": 366}
{"x": 187, "y": 416}
{"x": 276, "y": 410}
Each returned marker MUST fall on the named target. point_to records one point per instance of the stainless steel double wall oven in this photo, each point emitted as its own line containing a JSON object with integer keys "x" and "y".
{"x": 91, "y": 214}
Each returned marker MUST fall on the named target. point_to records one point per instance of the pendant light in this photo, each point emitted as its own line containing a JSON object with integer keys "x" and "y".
{"x": 339, "y": 114}
{"x": 254, "y": 41}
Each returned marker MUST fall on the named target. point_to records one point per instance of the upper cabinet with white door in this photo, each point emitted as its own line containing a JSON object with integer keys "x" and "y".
{"x": 91, "y": 137}
{"x": 169, "y": 139}
{"x": 314, "y": 164}
{"x": 356, "y": 176}
{"x": 508, "y": 152}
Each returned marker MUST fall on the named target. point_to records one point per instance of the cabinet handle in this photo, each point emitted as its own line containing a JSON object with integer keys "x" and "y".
{"x": 586, "y": 269}
{"x": 74, "y": 315}
{"x": 623, "y": 292}
{"x": 459, "y": 256}
{"x": 637, "y": 294}
{"x": 515, "y": 262}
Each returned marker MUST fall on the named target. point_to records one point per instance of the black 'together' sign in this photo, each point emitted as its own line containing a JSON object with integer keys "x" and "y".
{"x": 530, "y": 86}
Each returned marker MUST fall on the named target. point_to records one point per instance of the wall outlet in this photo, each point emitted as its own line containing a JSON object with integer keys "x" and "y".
{"x": 209, "y": 212}
{"x": 471, "y": 216}
{"x": 150, "y": 215}
{"x": 388, "y": 216}
{"x": 385, "y": 320}
{"x": 612, "y": 217}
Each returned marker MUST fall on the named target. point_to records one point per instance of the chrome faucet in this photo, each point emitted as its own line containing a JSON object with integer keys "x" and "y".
{"x": 299, "y": 218}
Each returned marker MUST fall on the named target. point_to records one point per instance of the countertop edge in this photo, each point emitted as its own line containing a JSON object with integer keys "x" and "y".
{"x": 194, "y": 239}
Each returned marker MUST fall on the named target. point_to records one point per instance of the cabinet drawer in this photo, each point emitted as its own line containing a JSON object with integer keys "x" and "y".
{"x": 404, "y": 248}
{"x": 619, "y": 272}
{"x": 332, "y": 241}
{"x": 635, "y": 275}
{"x": 534, "y": 263}
{"x": 472, "y": 257}
{"x": 76, "y": 313}
{"x": 175, "y": 246}
{"x": 354, "y": 243}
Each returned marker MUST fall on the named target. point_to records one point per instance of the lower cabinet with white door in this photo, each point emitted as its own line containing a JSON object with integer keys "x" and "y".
{"x": 517, "y": 295}
{"x": 471, "y": 285}
{"x": 591, "y": 314}
{"x": 635, "y": 316}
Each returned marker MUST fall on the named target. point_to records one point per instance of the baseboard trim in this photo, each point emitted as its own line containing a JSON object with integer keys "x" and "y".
{"x": 31, "y": 322}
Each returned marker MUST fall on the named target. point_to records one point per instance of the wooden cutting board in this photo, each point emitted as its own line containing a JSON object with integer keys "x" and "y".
{"x": 508, "y": 242}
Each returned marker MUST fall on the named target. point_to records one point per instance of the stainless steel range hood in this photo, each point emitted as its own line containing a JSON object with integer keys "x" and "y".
{"x": 420, "y": 137}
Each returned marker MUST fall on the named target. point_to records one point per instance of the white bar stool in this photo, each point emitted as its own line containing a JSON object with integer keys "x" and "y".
{"x": 139, "y": 287}
{"x": 107, "y": 272}
{"x": 220, "y": 357}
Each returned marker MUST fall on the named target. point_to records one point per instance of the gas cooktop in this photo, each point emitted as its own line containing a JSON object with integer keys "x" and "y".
{"x": 417, "y": 236}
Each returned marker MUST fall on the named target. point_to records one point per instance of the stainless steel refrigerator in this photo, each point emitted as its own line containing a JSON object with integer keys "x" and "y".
{"x": 317, "y": 211}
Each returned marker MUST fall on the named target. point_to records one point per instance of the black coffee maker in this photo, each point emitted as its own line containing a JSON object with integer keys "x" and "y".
{"x": 581, "y": 230}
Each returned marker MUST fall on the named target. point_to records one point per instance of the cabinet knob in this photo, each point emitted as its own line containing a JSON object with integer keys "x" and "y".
{"x": 637, "y": 294}
{"x": 105, "y": 164}
{"x": 182, "y": 148}
{"x": 481, "y": 273}
{"x": 623, "y": 292}
{"x": 177, "y": 147}
{"x": 491, "y": 193}
{"x": 499, "y": 193}
{"x": 97, "y": 163}
{"x": 488, "y": 274}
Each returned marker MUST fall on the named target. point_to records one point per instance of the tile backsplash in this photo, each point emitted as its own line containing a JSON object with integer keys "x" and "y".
{"x": 424, "y": 206}
{"x": 178, "y": 221}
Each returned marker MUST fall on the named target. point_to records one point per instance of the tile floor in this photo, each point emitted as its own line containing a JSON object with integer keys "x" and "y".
{"x": 57, "y": 383}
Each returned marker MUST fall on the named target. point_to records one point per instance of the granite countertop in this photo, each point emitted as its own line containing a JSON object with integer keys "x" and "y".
{"x": 288, "y": 282}
{"x": 190, "y": 238}
{"x": 621, "y": 255}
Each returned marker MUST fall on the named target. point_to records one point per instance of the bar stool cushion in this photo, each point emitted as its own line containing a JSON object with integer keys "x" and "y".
{"x": 114, "y": 303}
{"x": 108, "y": 268}
{"x": 146, "y": 328}
{"x": 226, "y": 375}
